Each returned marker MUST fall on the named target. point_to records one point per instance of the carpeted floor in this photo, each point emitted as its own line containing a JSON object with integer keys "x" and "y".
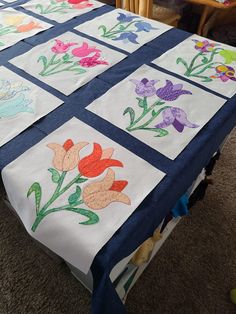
{"x": 192, "y": 273}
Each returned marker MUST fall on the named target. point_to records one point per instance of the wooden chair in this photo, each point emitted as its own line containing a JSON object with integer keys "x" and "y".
{"x": 141, "y": 7}
{"x": 209, "y": 7}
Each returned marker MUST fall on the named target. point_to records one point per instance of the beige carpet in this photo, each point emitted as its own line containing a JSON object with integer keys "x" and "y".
{"x": 192, "y": 273}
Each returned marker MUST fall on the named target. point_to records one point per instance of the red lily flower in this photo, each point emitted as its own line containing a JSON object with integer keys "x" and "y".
{"x": 94, "y": 164}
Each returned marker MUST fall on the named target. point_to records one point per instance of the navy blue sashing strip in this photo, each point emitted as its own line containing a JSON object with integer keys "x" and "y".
{"x": 13, "y": 51}
{"x": 169, "y": 39}
{"x": 19, "y": 144}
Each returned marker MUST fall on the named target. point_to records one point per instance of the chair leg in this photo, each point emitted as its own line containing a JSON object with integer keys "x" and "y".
{"x": 203, "y": 19}
{"x": 118, "y": 3}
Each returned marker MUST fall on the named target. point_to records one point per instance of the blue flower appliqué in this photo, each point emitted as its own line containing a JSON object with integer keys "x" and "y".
{"x": 144, "y": 27}
{"x": 126, "y": 18}
{"x": 127, "y": 37}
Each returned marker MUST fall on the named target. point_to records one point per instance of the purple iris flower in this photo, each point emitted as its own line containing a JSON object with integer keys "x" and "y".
{"x": 171, "y": 92}
{"x": 145, "y": 88}
{"x": 143, "y": 27}
{"x": 126, "y": 18}
{"x": 176, "y": 117}
{"x": 127, "y": 37}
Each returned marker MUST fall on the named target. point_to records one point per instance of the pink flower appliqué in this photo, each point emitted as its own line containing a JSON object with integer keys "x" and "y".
{"x": 61, "y": 47}
{"x": 83, "y": 5}
{"x": 84, "y": 50}
{"x": 91, "y": 62}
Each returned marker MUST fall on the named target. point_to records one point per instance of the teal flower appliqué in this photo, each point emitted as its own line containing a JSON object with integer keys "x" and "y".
{"x": 13, "y": 100}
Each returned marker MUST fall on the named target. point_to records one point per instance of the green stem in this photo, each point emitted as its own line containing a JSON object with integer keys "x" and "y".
{"x": 69, "y": 68}
{"x": 56, "y": 193}
{"x": 7, "y": 30}
{"x": 206, "y": 67}
{"x": 110, "y": 32}
{"x": 145, "y": 112}
{"x": 143, "y": 126}
{"x": 200, "y": 54}
{"x": 93, "y": 218}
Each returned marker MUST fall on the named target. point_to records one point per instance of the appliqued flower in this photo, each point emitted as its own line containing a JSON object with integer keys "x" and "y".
{"x": 23, "y": 28}
{"x": 143, "y": 27}
{"x": 228, "y": 55}
{"x": 61, "y": 47}
{"x": 8, "y": 89}
{"x": 12, "y": 107}
{"x": 176, "y": 117}
{"x": 126, "y": 18}
{"x": 82, "y": 5}
{"x": 84, "y": 50}
{"x": 96, "y": 163}
{"x": 127, "y": 37}
{"x": 98, "y": 195}
{"x": 91, "y": 62}
{"x": 14, "y": 20}
{"x": 204, "y": 46}
{"x": 224, "y": 73}
{"x": 145, "y": 87}
{"x": 171, "y": 91}
{"x": 66, "y": 157}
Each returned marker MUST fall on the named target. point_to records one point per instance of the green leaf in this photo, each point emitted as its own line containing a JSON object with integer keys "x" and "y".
{"x": 55, "y": 175}
{"x": 66, "y": 57}
{"x": 79, "y": 71}
{"x": 228, "y": 55}
{"x": 180, "y": 60}
{"x": 93, "y": 218}
{"x": 40, "y": 7}
{"x": 154, "y": 113}
{"x": 142, "y": 103}
{"x": 44, "y": 60}
{"x": 207, "y": 79}
{"x": 73, "y": 198}
{"x": 122, "y": 28}
{"x": 36, "y": 189}
{"x": 204, "y": 60}
{"x": 131, "y": 113}
{"x": 81, "y": 180}
{"x": 103, "y": 28}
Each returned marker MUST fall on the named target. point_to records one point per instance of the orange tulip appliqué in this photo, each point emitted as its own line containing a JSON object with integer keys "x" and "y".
{"x": 94, "y": 195}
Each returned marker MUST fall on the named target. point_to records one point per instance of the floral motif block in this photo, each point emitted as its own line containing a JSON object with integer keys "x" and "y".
{"x": 158, "y": 109}
{"x": 80, "y": 193}
{"x": 61, "y": 10}
{"x": 204, "y": 61}
{"x": 67, "y": 62}
{"x": 123, "y": 30}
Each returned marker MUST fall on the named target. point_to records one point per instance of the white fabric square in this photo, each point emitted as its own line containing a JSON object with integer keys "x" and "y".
{"x": 160, "y": 110}
{"x": 73, "y": 197}
{"x": 15, "y": 26}
{"x": 123, "y": 29}
{"x": 67, "y": 62}
{"x": 61, "y": 11}
{"x": 21, "y": 104}
{"x": 204, "y": 61}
